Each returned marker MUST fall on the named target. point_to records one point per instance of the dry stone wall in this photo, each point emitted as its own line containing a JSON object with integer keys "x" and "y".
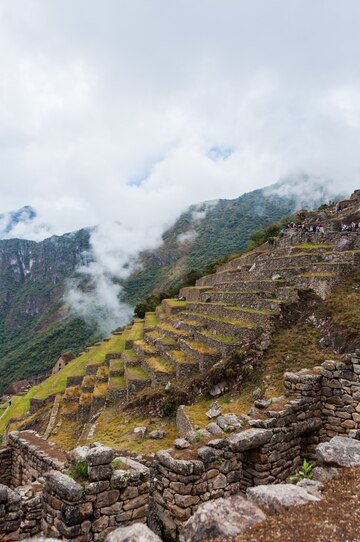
{"x": 115, "y": 494}
{"x": 32, "y": 457}
{"x": 118, "y": 491}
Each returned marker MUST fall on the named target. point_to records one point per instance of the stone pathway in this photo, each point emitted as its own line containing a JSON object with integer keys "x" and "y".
{"x": 54, "y": 412}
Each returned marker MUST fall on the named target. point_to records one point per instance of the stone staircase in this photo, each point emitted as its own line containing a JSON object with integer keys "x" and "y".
{"x": 236, "y": 308}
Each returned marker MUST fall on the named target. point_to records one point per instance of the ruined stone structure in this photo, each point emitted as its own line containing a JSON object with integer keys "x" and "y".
{"x": 116, "y": 491}
{"x": 62, "y": 361}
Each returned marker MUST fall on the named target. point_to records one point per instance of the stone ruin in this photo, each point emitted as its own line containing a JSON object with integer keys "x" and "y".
{"x": 38, "y": 492}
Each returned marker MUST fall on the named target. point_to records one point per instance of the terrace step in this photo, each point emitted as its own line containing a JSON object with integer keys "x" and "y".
{"x": 160, "y": 342}
{"x": 98, "y": 399}
{"x": 185, "y": 365}
{"x": 234, "y": 328}
{"x": 172, "y": 306}
{"x": 159, "y": 369}
{"x": 130, "y": 358}
{"x": 204, "y": 354}
{"x": 221, "y": 343}
{"x": 291, "y": 271}
{"x": 69, "y": 410}
{"x": 150, "y": 321}
{"x": 71, "y": 394}
{"x": 143, "y": 349}
{"x": 102, "y": 374}
{"x": 135, "y": 333}
{"x": 192, "y": 293}
{"x": 116, "y": 389}
{"x": 116, "y": 368}
{"x": 88, "y": 384}
{"x": 136, "y": 379}
{"x": 168, "y": 329}
{"x": 251, "y": 300}
{"x": 159, "y": 312}
{"x": 268, "y": 285}
{"x": 231, "y": 312}
{"x": 248, "y": 258}
{"x": 84, "y": 406}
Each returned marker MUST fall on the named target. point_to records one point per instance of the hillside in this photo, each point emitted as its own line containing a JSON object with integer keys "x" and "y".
{"x": 283, "y": 306}
{"x": 210, "y": 231}
{"x": 34, "y": 324}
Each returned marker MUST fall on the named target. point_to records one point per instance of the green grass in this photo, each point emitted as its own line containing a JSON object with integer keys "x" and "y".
{"x": 117, "y": 382}
{"x": 136, "y": 373}
{"x": 312, "y": 246}
{"x": 159, "y": 365}
{"x": 57, "y": 383}
{"x": 237, "y": 323}
{"x": 175, "y": 303}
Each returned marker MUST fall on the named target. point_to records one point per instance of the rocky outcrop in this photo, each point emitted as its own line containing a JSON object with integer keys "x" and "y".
{"x": 221, "y": 519}
{"x": 339, "y": 452}
{"x": 279, "y": 497}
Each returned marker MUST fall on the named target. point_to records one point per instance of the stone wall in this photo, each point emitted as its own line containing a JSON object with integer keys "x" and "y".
{"x": 32, "y": 457}
{"x": 5, "y": 465}
{"x": 115, "y": 493}
{"x": 319, "y": 404}
{"x": 10, "y": 514}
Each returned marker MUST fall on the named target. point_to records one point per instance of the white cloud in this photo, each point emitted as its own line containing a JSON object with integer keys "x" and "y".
{"x": 111, "y": 111}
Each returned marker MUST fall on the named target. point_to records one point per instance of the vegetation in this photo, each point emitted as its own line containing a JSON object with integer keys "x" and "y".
{"x": 304, "y": 473}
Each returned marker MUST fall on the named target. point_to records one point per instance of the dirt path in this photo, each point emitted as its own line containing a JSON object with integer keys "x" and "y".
{"x": 334, "y": 519}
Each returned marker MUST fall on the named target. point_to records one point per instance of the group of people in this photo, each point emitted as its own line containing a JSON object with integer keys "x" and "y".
{"x": 354, "y": 226}
{"x": 302, "y": 227}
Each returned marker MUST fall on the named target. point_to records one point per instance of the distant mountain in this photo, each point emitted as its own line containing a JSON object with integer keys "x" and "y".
{"x": 8, "y": 221}
{"x": 35, "y": 326}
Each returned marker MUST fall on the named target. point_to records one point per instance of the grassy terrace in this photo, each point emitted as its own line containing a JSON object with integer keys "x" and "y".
{"x": 237, "y": 323}
{"x": 57, "y": 383}
{"x": 136, "y": 373}
{"x": 312, "y": 246}
{"x": 169, "y": 327}
{"x": 117, "y": 383}
{"x": 159, "y": 365}
{"x": 200, "y": 347}
{"x": 180, "y": 357}
{"x": 136, "y": 331}
{"x": 233, "y": 307}
{"x": 100, "y": 389}
{"x": 221, "y": 338}
{"x": 116, "y": 365}
{"x": 145, "y": 347}
{"x": 150, "y": 320}
{"x": 175, "y": 303}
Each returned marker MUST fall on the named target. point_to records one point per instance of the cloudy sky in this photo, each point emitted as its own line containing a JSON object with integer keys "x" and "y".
{"x": 131, "y": 110}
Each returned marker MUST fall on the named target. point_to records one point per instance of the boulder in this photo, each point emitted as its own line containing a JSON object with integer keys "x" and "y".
{"x": 139, "y": 433}
{"x": 183, "y": 422}
{"x": 214, "y": 429}
{"x": 277, "y": 498}
{"x": 251, "y": 438}
{"x": 63, "y": 486}
{"x": 100, "y": 455}
{"x": 229, "y": 422}
{"x": 314, "y": 487}
{"x": 339, "y": 452}
{"x": 322, "y": 474}
{"x": 157, "y": 434}
{"x": 181, "y": 444}
{"x": 133, "y": 533}
{"x": 214, "y": 410}
{"x": 221, "y": 519}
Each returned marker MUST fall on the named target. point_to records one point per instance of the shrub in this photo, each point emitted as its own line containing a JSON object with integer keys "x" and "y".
{"x": 304, "y": 473}
{"x": 79, "y": 469}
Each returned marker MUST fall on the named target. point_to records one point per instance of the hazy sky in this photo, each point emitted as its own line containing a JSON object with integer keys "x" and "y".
{"x": 130, "y": 110}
